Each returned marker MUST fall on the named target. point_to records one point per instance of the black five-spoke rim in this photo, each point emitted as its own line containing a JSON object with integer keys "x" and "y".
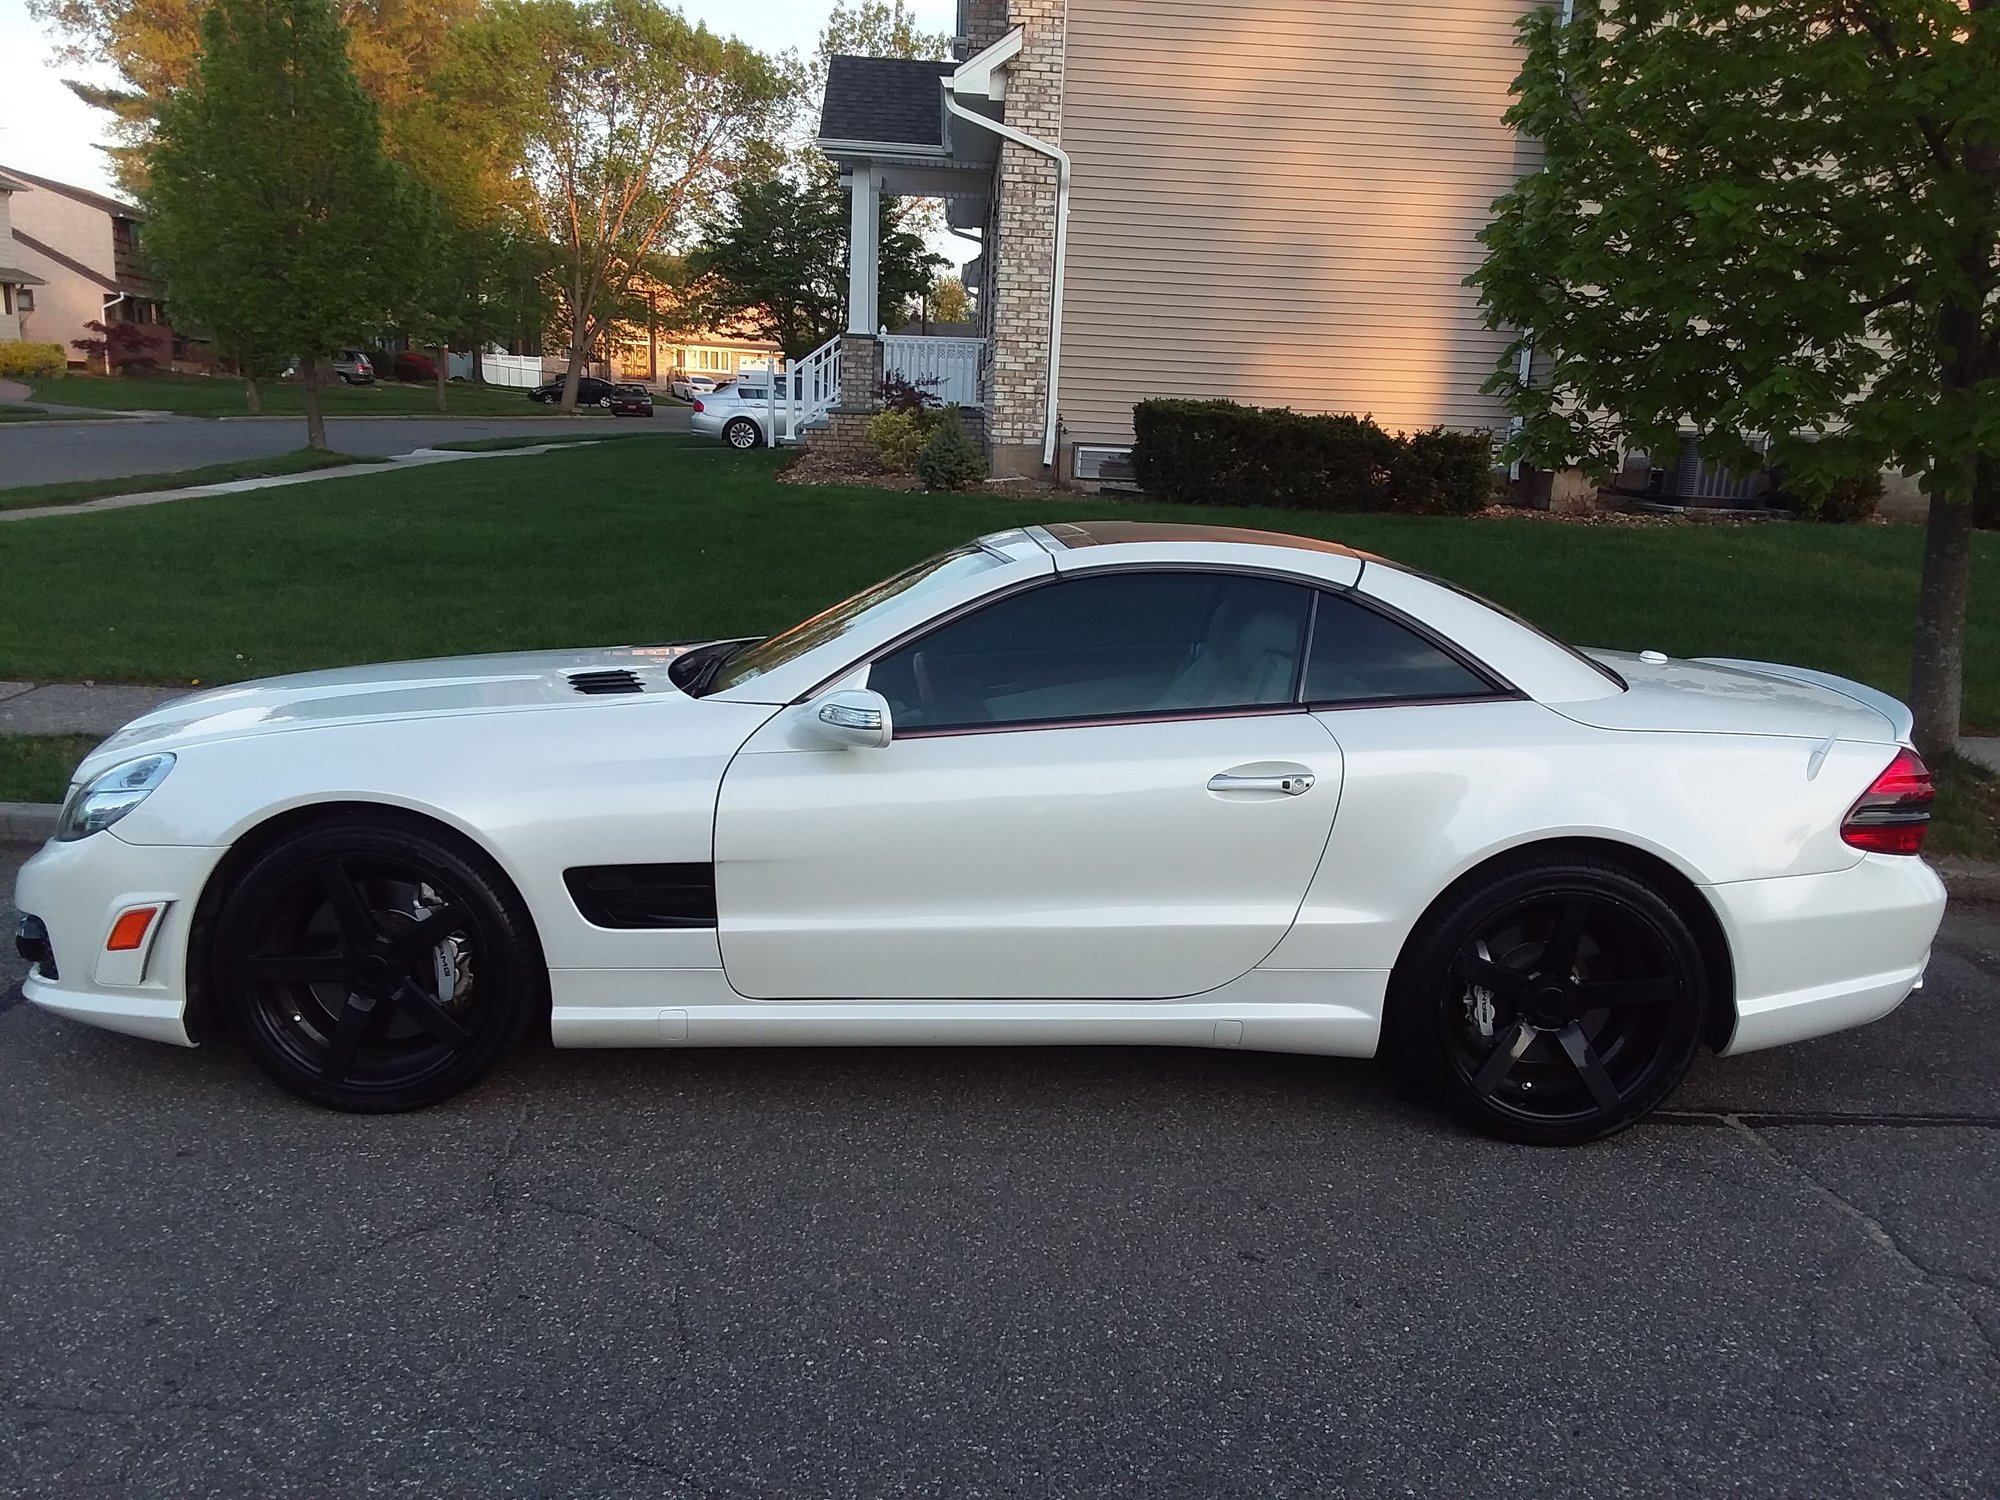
{"x": 1564, "y": 1007}
{"x": 362, "y": 970}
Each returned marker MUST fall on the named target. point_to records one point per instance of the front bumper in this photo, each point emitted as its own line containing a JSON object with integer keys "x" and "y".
{"x": 1820, "y": 953}
{"x": 77, "y": 891}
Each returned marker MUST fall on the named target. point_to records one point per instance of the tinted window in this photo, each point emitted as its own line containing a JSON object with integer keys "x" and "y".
{"x": 1109, "y": 647}
{"x": 1360, "y": 656}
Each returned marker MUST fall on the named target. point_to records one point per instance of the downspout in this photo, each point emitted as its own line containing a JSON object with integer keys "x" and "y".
{"x": 1061, "y": 158}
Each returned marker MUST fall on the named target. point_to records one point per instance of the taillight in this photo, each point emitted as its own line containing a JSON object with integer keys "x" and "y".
{"x": 1894, "y": 814}
{"x": 698, "y": 406}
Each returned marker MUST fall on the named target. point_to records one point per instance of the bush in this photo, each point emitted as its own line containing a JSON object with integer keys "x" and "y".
{"x": 1219, "y": 453}
{"x": 418, "y": 368}
{"x": 898, "y": 435}
{"x": 31, "y": 361}
{"x": 897, "y": 394}
{"x": 1849, "y": 499}
{"x": 950, "y": 459}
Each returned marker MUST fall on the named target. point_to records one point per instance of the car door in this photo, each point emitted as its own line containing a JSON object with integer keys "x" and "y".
{"x": 1102, "y": 786}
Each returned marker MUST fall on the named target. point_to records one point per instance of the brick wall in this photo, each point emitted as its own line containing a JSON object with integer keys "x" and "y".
{"x": 860, "y": 371}
{"x": 844, "y": 440}
{"x": 1024, "y": 252}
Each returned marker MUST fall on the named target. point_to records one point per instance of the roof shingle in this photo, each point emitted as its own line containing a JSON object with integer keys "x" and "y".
{"x": 892, "y": 101}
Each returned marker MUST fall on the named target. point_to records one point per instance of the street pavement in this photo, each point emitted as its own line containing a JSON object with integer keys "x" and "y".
{"x": 38, "y": 454}
{"x": 1031, "y": 1272}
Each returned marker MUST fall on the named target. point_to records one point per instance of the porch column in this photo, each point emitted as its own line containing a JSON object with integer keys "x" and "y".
{"x": 864, "y": 251}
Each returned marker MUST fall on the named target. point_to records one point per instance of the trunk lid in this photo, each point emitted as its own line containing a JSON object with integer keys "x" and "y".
{"x": 1721, "y": 696}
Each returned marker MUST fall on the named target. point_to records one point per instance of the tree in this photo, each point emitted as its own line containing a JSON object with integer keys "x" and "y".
{"x": 629, "y": 123}
{"x": 276, "y": 219}
{"x": 153, "y": 44}
{"x": 948, "y": 302}
{"x": 775, "y": 257}
{"x": 875, "y": 28}
{"x": 1776, "y": 219}
{"x": 123, "y": 347}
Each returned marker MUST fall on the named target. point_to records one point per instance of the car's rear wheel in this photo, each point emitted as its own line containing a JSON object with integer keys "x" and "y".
{"x": 603, "y": 400}
{"x": 374, "y": 967}
{"x": 1556, "y": 1003}
{"x": 742, "y": 433}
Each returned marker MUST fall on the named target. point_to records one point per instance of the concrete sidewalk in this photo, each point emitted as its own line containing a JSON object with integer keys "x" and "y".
{"x": 77, "y": 707}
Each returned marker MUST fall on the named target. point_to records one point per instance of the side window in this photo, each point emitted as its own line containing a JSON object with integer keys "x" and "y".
{"x": 1113, "y": 646}
{"x": 1361, "y": 656}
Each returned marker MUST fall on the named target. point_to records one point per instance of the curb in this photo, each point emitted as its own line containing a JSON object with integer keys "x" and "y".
{"x": 1976, "y": 880}
{"x": 28, "y": 822}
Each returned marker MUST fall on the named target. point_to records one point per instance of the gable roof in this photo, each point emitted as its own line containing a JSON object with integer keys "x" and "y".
{"x": 884, "y": 101}
{"x": 118, "y": 208}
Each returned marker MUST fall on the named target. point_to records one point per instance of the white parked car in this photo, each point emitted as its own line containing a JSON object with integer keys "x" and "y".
{"x": 737, "y": 411}
{"x": 688, "y": 384}
{"x": 1097, "y": 782}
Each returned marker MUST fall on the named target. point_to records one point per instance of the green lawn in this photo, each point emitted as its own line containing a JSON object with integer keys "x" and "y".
{"x": 220, "y": 396}
{"x": 36, "y": 767}
{"x": 1967, "y": 815}
{"x": 666, "y": 537}
{"x": 12, "y": 413}
{"x": 76, "y": 491}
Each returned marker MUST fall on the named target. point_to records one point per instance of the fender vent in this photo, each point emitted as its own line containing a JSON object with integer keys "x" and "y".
{"x": 639, "y": 896}
{"x": 617, "y": 680}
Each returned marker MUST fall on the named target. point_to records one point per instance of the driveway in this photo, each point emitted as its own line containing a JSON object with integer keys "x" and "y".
{"x": 1005, "y": 1273}
{"x": 111, "y": 449}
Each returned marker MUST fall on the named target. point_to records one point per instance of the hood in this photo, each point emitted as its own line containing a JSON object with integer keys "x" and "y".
{"x": 504, "y": 683}
{"x": 1715, "y": 696}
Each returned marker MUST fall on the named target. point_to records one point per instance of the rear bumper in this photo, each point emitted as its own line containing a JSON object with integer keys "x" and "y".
{"x": 76, "y": 891}
{"x": 1820, "y": 953}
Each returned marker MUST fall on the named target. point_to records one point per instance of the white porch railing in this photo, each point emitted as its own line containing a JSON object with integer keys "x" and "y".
{"x": 945, "y": 369}
{"x": 799, "y": 393}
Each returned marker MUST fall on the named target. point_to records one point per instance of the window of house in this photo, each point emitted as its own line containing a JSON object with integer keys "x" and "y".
{"x": 25, "y": 300}
{"x": 1360, "y": 656}
{"x": 1116, "y": 646}
{"x": 6, "y": 298}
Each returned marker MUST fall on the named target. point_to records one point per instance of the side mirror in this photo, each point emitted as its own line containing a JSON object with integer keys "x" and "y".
{"x": 849, "y": 719}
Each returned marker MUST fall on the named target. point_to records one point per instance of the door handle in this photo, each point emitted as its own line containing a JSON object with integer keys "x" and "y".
{"x": 1294, "y": 784}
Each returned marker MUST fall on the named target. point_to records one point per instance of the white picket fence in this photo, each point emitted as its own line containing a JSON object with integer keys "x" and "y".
{"x": 516, "y": 371}
{"x": 945, "y": 369}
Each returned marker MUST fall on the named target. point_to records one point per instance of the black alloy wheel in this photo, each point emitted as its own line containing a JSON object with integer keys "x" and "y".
{"x": 374, "y": 967}
{"x": 1555, "y": 1005}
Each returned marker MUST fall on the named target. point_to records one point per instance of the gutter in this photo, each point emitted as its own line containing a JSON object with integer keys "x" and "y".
{"x": 1061, "y": 158}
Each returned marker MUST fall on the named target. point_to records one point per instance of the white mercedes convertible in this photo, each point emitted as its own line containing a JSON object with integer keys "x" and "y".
{"x": 1086, "y": 783}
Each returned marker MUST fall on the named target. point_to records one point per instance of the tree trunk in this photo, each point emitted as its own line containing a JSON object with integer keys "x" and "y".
{"x": 579, "y": 350}
{"x": 1937, "y": 675}
{"x": 315, "y": 418}
{"x": 444, "y": 373}
{"x": 253, "y": 395}
{"x": 478, "y": 360}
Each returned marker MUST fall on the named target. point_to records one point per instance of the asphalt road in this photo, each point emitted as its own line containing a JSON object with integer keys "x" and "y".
{"x": 37, "y": 454}
{"x": 1035, "y": 1273}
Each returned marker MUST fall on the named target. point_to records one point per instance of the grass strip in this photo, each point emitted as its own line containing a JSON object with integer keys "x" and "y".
{"x": 76, "y": 491}
{"x": 37, "y": 767}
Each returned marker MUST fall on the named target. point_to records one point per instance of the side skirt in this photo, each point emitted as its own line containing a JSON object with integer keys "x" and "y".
{"x": 1330, "y": 1012}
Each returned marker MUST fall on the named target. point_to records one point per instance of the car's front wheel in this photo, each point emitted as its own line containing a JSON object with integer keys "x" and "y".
{"x": 1555, "y": 1003}
{"x": 603, "y": 400}
{"x": 373, "y": 966}
{"x": 742, "y": 433}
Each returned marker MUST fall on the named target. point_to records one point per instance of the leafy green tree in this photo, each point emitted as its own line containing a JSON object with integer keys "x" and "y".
{"x": 775, "y": 258}
{"x": 876, "y": 28}
{"x": 1775, "y": 219}
{"x": 629, "y": 124}
{"x": 949, "y": 301}
{"x": 273, "y": 213}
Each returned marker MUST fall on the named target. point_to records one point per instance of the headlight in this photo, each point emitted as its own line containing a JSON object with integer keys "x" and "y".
{"x": 108, "y": 797}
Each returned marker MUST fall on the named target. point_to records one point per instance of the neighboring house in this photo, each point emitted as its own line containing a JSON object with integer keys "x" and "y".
{"x": 17, "y": 284}
{"x": 1268, "y": 201}
{"x": 705, "y": 353}
{"x": 84, "y": 248}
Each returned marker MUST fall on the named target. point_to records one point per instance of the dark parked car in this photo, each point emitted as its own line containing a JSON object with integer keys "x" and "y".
{"x": 590, "y": 391}
{"x": 631, "y": 401}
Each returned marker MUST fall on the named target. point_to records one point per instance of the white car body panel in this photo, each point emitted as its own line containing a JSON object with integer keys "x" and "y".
{"x": 1078, "y": 883}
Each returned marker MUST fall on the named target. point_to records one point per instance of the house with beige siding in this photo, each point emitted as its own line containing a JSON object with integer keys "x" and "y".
{"x": 17, "y": 283}
{"x": 1270, "y": 201}
{"x": 82, "y": 249}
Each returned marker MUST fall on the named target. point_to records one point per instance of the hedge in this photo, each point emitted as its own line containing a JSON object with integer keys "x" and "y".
{"x": 1219, "y": 453}
{"x": 32, "y": 361}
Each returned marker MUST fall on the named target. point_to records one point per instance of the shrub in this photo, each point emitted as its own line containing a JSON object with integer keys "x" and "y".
{"x": 411, "y": 366}
{"x": 950, "y": 459}
{"x": 898, "y": 435}
{"x": 31, "y": 361}
{"x": 1853, "y": 497}
{"x": 1220, "y": 453}
{"x": 124, "y": 346}
{"x": 897, "y": 394}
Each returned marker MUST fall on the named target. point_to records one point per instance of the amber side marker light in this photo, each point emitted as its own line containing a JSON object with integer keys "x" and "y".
{"x": 129, "y": 931}
{"x": 1894, "y": 814}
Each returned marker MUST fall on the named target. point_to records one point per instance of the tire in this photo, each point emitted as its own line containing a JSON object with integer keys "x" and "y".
{"x": 1523, "y": 1046}
{"x": 603, "y": 400}
{"x": 741, "y": 434}
{"x": 324, "y": 961}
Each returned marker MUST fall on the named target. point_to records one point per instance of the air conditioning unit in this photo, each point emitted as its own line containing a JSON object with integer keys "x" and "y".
{"x": 1101, "y": 461}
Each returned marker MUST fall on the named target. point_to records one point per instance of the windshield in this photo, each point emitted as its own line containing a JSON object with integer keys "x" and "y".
{"x": 755, "y": 660}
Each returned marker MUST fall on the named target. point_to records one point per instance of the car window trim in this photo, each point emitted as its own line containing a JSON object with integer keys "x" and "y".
{"x": 1501, "y": 690}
